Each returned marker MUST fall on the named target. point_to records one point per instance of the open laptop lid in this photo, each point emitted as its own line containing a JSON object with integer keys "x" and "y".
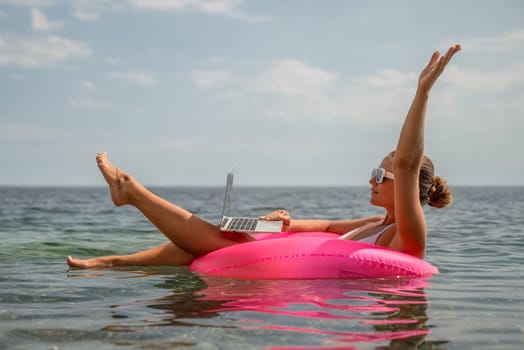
{"x": 227, "y": 193}
{"x": 243, "y": 224}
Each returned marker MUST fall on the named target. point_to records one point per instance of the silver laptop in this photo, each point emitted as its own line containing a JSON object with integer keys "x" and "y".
{"x": 243, "y": 224}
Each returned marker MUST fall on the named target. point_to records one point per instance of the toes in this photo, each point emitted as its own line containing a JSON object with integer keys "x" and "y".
{"x": 70, "y": 261}
{"x": 101, "y": 156}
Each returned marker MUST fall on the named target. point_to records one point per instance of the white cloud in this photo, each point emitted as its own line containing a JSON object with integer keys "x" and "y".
{"x": 294, "y": 90}
{"x": 29, "y": 131}
{"x": 85, "y": 15}
{"x": 28, "y": 3}
{"x": 216, "y": 60}
{"x": 87, "y": 85}
{"x": 87, "y": 102}
{"x": 481, "y": 99}
{"x": 90, "y": 10}
{"x": 291, "y": 90}
{"x": 40, "y": 22}
{"x": 37, "y": 52}
{"x": 84, "y": 11}
{"x": 164, "y": 4}
{"x": 294, "y": 77}
{"x": 135, "y": 77}
{"x": 377, "y": 98}
{"x": 228, "y": 8}
{"x": 84, "y": 98}
{"x": 504, "y": 42}
{"x": 471, "y": 79}
{"x": 209, "y": 79}
{"x": 299, "y": 91}
{"x": 17, "y": 77}
{"x": 389, "y": 78}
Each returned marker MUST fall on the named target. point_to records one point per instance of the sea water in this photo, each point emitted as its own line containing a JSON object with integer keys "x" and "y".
{"x": 476, "y": 302}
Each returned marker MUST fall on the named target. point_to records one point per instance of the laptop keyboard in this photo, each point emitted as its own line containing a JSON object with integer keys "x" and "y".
{"x": 242, "y": 224}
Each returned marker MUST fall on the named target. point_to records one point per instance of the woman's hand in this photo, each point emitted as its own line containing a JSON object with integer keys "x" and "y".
{"x": 279, "y": 215}
{"x": 435, "y": 67}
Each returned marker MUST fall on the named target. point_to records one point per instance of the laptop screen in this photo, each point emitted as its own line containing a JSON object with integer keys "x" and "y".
{"x": 227, "y": 193}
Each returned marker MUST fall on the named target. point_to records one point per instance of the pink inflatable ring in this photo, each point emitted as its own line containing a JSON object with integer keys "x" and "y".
{"x": 311, "y": 255}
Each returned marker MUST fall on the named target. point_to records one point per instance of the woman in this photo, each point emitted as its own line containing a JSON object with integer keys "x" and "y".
{"x": 402, "y": 185}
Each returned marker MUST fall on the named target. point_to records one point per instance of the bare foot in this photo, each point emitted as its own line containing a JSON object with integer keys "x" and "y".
{"x": 115, "y": 178}
{"x": 88, "y": 263}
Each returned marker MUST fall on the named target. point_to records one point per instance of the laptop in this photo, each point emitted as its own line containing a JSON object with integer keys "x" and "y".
{"x": 243, "y": 224}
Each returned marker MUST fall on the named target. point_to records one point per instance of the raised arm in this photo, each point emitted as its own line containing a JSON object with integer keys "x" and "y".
{"x": 409, "y": 216}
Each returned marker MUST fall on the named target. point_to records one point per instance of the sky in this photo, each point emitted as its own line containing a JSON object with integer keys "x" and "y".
{"x": 298, "y": 92}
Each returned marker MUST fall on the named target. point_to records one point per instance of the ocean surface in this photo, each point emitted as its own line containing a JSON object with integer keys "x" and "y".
{"x": 476, "y": 302}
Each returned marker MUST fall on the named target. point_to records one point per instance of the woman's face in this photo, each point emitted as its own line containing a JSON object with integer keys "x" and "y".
{"x": 382, "y": 194}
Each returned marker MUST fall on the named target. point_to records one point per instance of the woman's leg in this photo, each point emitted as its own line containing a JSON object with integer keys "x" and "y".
{"x": 166, "y": 254}
{"x": 187, "y": 231}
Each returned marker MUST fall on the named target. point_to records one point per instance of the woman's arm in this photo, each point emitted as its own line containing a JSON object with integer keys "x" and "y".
{"x": 409, "y": 216}
{"x": 339, "y": 227}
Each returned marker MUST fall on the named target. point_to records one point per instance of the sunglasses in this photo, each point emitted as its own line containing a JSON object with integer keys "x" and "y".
{"x": 380, "y": 174}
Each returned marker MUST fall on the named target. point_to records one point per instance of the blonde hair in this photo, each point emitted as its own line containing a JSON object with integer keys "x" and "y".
{"x": 433, "y": 190}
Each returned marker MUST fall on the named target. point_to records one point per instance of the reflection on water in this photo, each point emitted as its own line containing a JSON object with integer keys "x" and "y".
{"x": 291, "y": 314}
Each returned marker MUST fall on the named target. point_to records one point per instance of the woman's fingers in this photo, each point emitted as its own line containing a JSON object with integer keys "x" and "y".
{"x": 277, "y": 215}
{"x": 436, "y": 66}
{"x": 434, "y": 58}
{"x": 451, "y": 51}
{"x": 280, "y": 214}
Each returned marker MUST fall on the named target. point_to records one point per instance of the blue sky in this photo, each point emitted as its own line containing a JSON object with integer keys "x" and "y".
{"x": 292, "y": 92}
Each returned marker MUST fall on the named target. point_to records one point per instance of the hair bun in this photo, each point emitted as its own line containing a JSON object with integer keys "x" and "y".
{"x": 439, "y": 194}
